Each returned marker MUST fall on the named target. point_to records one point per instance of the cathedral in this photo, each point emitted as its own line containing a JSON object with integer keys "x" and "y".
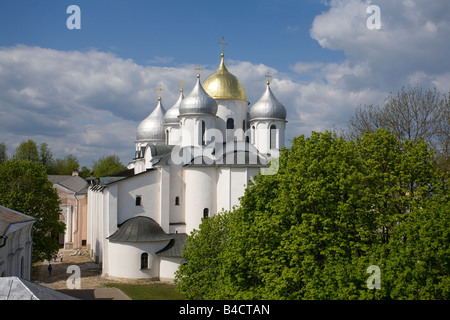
{"x": 192, "y": 161}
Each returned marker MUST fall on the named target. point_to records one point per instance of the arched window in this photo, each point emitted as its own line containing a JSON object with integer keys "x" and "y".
{"x": 144, "y": 260}
{"x": 205, "y": 213}
{"x": 273, "y": 137}
{"x": 177, "y": 201}
{"x": 230, "y": 123}
{"x": 138, "y": 200}
{"x": 253, "y": 134}
{"x": 203, "y": 133}
{"x": 167, "y": 137}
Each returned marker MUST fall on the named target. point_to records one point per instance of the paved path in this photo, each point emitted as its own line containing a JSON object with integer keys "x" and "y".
{"x": 92, "y": 283}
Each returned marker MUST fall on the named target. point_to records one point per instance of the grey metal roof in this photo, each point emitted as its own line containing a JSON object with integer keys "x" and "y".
{"x": 175, "y": 246}
{"x": 139, "y": 229}
{"x": 152, "y": 127}
{"x": 268, "y": 107}
{"x": 10, "y": 217}
{"x": 171, "y": 115}
{"x": 15, "y": 288}
{"x": 74, "y": 183}
{"x": 198, "y": 102}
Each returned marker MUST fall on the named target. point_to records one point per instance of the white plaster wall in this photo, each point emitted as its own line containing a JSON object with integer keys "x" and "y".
{"x": 15, "y": 256}
{"x": 236, "y": 109}
{"x": 146, "y": 185}
{"x": 125, "y": 259}
{"x": 200, "y": 183}
{"x": 168, "y": 267}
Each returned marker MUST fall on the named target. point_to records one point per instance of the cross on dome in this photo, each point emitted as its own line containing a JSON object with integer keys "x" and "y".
{"x": 223, "y": 43}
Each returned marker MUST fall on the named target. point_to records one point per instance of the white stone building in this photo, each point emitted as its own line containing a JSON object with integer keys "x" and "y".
{"x": 15, "y": 243}
{"x": 191, "y": 162}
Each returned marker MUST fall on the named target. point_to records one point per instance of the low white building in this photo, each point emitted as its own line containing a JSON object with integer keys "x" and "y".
{"x": 191, "y": 162}
{"x": 15, "y": 243}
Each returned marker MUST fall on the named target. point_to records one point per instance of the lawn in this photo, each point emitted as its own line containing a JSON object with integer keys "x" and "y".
{"x": 150, "y": 291}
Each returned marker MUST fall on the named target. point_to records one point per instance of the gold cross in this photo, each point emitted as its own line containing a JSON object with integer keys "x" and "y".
{"x": 181, "y": 84}
{"x": 268, "y": 76}
{"x": 198, "y": 69}
{"x": 160, "y": 89}
{"x": 223, "y": 43}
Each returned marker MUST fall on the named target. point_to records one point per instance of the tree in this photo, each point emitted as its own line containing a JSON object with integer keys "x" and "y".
{"x": 65, "y": 166}
{"x": 3, "y": 154}
{"x": 46, "y": 157}
{"x": 310, "y": 232}
{"x": 413, "y": 114}
{"x": 27, "y": 150}
{"x": 107, "y": 165}
{"x": 25, "y": 188}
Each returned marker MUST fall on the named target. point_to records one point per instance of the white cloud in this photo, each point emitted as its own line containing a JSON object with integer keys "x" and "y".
{"x": 90, "y": 103}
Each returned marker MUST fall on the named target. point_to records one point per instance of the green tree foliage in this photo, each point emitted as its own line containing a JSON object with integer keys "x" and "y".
{"x": 3, "y": 154}
{"x": 25, "y": 188}
{"x": 65, "y": 166}
{"x": 27, "y": 150}
{"x": 107, "y": 165}
{"x": 334, "y": 208}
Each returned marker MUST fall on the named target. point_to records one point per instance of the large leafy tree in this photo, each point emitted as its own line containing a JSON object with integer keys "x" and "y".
{"x": 25, "y": 188}
{"x": 107, "y": 165}
{"x": 312, "y": 230}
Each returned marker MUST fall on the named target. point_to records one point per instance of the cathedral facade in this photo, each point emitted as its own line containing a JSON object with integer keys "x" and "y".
{"x": 192, "y": 161}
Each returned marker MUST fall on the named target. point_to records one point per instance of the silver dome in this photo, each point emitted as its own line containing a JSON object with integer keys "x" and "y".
{"x": 198, "y": 102}
{"x": 152, "y": 127}
{"x": 171, "y": 116}
{"x": 268, "y": 107}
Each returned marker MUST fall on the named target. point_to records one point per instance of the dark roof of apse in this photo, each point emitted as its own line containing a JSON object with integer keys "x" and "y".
{"x": 139, "y": 229}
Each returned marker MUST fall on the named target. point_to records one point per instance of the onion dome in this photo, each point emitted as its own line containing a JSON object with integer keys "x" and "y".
{"x": 224, "y": 85}
{"x": 152, "y": 127}
{"x": 171, "y": 116}
{"x": 268, "y": 107}
{"x": 198, "y": 102}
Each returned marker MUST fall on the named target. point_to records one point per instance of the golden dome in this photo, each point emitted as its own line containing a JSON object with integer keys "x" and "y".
{"x": 223, "y": 85}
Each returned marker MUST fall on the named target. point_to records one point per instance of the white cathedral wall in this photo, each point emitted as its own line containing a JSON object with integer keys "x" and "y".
{"x": 145, "y": 185}
{"x": 176, "y": 190}
{"x": 125, "y": 259}
{"x": 168, "y": 266}
{"x": 200, "y": 193}
{"x": 236, "y": 109}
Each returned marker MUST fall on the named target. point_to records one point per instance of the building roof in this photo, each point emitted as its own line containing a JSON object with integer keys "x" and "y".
{"x": 152, "y": 127}
{"x": 139, "y": 229}
{"x": 9, "y": 217}
{"x": 224, "y": 85}
{"x": 15, "y": 288}
{"x": 268, "y": 107}
{"x": 175, "y": 246}
{"x": 74, "y": 183}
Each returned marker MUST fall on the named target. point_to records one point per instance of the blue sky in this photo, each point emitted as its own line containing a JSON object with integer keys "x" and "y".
{"x": 85, "y": 91}
{"x": 177, "y": 32}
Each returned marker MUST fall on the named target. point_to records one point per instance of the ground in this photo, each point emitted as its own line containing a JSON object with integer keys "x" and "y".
{"x": 93, "y": 285}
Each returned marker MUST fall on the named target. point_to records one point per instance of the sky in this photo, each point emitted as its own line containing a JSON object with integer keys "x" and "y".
{"x": 84, "y": 91}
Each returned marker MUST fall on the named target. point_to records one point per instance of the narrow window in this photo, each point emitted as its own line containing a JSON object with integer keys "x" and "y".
{"x": 138, "y": 200}
{"x": 203, "y": 133}
{"x": 177, "y": 201}
{"x": 205, "y": 213}
{"x": 273, "y": 137}
{"x": 167, "y": 137}
{"x": 230, "y": 123}
{"x": 144, "y": 260}
{"x": 253, "y": 134}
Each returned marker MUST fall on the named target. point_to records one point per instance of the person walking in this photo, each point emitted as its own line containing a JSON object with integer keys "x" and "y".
{"x": 61, "y": 257}
{"x": 50, "y": 270}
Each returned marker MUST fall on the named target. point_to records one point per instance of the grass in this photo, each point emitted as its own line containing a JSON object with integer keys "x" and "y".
{"x": 150, "y": 291}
